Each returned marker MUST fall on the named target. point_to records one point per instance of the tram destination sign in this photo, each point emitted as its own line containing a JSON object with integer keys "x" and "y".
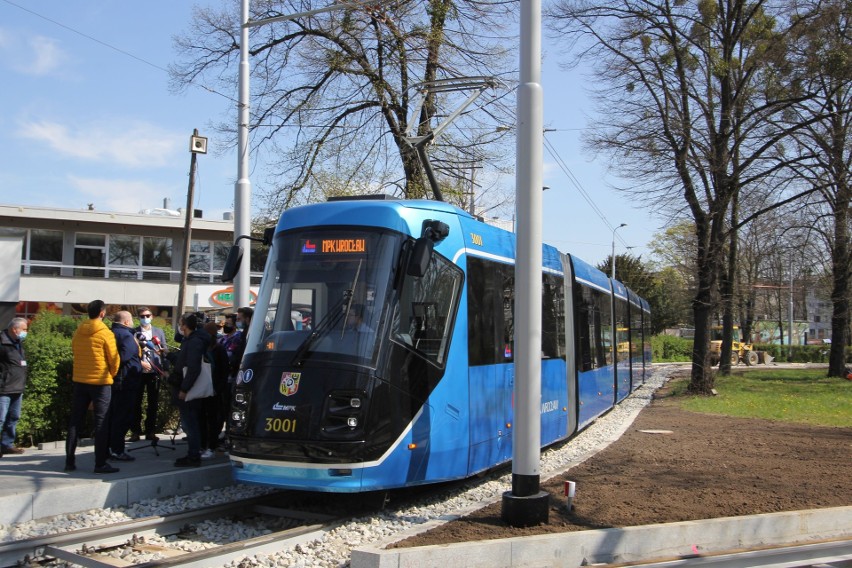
{"x": 334, "y": 246}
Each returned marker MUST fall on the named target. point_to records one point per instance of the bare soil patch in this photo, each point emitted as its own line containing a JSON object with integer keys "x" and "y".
{"x": 707, "y": 467}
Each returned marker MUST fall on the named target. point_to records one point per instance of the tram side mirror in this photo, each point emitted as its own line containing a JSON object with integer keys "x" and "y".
{"x": 232, "y": 264}
{"x": 421, "y": 254}
{"x": 432, "y": 232}
{"x": 235, "y": 255}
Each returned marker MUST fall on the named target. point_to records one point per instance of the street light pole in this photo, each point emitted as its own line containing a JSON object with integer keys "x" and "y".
{"x": 526, "y": 504}
{"x": 242, "y": 188}
{"x": 613, "y": 249}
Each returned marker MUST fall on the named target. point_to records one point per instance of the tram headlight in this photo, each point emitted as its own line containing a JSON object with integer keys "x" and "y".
{"x": 238, "y": 417}
{"x": 355, "y": 402}
{"x": 352, "y": 422}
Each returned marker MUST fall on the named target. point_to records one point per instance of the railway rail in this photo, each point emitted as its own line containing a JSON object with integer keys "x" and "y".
{"x": 91, "y": 547}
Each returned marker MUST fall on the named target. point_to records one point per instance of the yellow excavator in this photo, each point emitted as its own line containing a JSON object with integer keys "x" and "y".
{"x": 740, "y": 351}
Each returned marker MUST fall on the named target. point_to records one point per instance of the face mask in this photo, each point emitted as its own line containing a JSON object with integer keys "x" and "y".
{"x": 220, "y": 332}
{"x": 240, "y": 325}
{"x": 145, "y": 321}
{"x": 228, "y": 329}
{"x": 22, "y": 335}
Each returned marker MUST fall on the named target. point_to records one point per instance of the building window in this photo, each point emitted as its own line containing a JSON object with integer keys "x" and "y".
{"x": 89, "y": 255}
{"x": 43, "y": 252}
{"x": 129, "y": 252}
{"x": 124, "y": 251}
{"x": 156, "y": 258}
{"x": 200, "y": 261}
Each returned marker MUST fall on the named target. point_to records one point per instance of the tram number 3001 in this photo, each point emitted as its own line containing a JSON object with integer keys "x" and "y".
{"x": 285, "y": 425}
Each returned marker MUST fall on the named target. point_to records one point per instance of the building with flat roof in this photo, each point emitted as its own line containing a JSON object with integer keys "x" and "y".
{"x": 71, "y": 257}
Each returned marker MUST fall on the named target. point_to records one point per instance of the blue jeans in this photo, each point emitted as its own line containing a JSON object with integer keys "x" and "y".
{"x": 10, "y": 413}
{"x": 190, "y": 421}
{"x": 99, "y": 397}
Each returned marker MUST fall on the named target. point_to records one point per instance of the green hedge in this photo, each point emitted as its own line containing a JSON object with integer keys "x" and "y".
{"x": 669, "y": 349}
{"x": 46, "y": 406}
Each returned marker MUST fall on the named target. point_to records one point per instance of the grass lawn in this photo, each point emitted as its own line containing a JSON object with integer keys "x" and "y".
{"x": 805, "y": 396}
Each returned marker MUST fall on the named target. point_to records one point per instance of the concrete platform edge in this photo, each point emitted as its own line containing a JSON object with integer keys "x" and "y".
{"x": 628, "y": 544}
{"x": 97, "y": 494}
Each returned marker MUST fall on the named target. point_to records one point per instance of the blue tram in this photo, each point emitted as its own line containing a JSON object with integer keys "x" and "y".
{"x": 381, "y": 350}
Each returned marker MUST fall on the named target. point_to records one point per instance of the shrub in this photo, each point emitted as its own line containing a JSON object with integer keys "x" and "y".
{"x": 668, "y": 348}
{"x": 46, "y": 406}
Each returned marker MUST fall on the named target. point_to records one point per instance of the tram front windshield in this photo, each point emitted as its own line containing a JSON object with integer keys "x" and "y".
{"x": 322, "y": 296}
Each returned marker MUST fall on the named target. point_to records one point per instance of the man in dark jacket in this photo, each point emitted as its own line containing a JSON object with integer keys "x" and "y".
{"x": 150, "y": 379}
{"x": 186, "y": 370}
{"x": 124, "y": 384}
{"x": 13, "y": 379}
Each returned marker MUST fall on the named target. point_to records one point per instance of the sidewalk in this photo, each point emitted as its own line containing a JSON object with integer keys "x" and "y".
{"x": 33, "y": 485}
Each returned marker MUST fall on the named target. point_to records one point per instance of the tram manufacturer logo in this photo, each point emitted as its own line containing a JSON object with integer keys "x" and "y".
{"x": 283, "y": 407}
{"x": 289, "y": 383}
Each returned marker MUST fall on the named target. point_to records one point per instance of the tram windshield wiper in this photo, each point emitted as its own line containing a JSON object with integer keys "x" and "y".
{"x": 332, "y": 318}
{"x": 351, "y": 296}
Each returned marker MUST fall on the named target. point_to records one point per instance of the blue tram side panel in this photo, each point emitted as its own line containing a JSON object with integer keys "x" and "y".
{"x": 593, "y": 308}
{"x": 621, "y": 321}
{"x": 420, "y": 391}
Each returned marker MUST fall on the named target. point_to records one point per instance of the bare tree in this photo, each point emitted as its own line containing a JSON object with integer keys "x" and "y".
{"x": 687, "y": 90}
{"x": 824, "y": 50}
{"x": 333, "y": 93}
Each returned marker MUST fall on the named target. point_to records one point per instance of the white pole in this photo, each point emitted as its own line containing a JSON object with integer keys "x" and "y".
{"x": 527, "y": 504}
{"x": 242, "y": 188}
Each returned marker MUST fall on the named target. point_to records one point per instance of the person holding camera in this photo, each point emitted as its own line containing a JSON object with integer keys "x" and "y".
{"x": 154, "y": 350}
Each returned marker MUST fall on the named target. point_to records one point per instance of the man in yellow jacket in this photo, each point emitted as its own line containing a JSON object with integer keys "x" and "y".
{"x": 96, "y": 362}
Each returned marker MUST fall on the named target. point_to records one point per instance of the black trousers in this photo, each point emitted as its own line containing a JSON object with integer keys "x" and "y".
{"x": 151, "y": 388}
{"x": 120, "y": 414}
{"x": 99, "y": 397}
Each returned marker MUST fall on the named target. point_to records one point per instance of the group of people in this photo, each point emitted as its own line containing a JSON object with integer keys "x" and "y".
{"x": 202, "y": 419}
{"x": 116, "y": 368}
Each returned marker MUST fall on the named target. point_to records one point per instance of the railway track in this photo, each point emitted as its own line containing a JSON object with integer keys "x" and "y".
{"x": 135, "y": 542}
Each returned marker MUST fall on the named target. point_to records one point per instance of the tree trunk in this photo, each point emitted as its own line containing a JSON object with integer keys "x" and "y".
{"x": 727, "y": 295}
{"x": 840, "y": 292}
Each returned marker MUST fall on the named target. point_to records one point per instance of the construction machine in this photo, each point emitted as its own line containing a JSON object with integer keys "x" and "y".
{"x": 740, "y": 351}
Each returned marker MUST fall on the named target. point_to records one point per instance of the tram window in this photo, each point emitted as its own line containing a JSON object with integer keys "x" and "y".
{"x": 490, "y": 312}
{"x": 552, "y": 317}
{"x": 593, "y": 334}
{"x": 622, "y": 335}
{"x": 426, "y": 309}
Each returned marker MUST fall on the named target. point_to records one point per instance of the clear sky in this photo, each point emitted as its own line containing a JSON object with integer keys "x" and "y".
{"x": 88, "y": 119}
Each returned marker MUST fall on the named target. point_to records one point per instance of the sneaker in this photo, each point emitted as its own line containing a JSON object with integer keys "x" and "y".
{"x": 123, "y": 456}
{"x": 106, "y": 468}
{"x": 151, "y": 437}
{"x": 11, "y": 450}
{"x": 206, "y": 454}
{"x": 187, "y": 461}
{"x": 134, "y": 438}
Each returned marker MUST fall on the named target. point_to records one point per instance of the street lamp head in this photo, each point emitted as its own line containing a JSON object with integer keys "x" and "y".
{"x": 612, "y": 258}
